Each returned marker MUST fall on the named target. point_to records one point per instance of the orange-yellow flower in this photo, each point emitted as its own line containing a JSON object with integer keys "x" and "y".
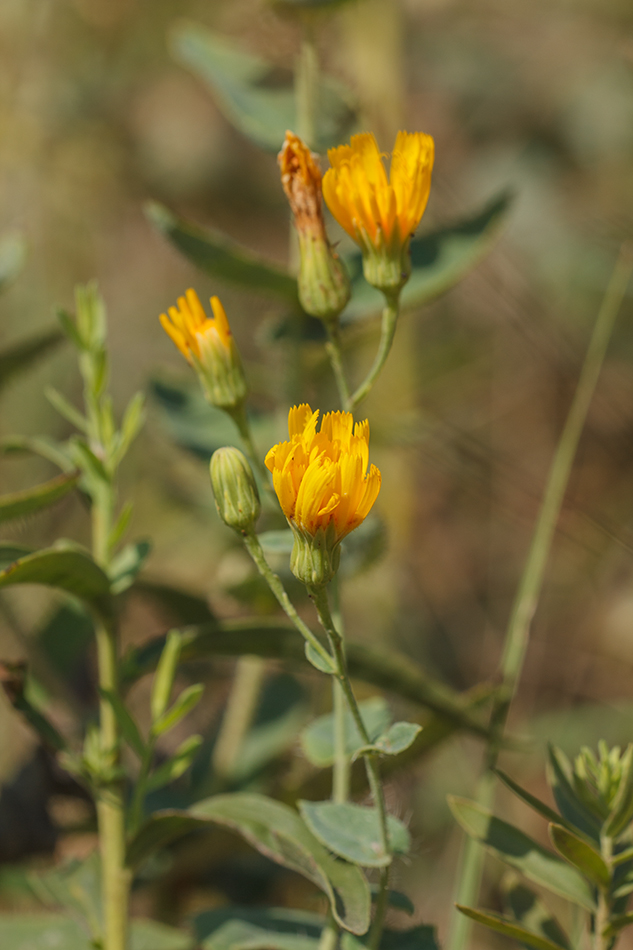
{"x": 208, "y": 345}
{"x": 323, "y": 282}
{"x": 380, "y": 213}
{"x": 323, "y": 486}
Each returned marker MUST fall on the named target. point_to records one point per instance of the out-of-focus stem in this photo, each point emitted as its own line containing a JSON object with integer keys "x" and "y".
{"x": 341, "y": 771}
{"x": 526, "y": 600}
{"x": 333, "y": 349}
{"x": 250, "y": 673}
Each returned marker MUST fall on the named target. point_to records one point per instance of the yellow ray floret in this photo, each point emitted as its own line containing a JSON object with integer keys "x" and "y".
{"x": 188, "y": 324}
{"x": 321, "y": 478}
{"x": 370, "y": 207}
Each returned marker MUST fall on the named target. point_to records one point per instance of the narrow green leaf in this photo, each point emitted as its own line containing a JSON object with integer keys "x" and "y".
{"x": 47, "y": 931}
{"x": 353, "y": 832}
{"x": 131, "y": 425}
{"x": 571, "y": 807}
{"x": 439, "y": 260}
{"x": 126, "y": 565}
{"x": 65, "y": 409}
{"x": 622, "y": 857}
{"x": 588, "y": 861}
{"x": 85, "y": 459}
{"x": 165, "y": 674}
{"x": 258, "y": 109}
{"x": 21, "y": 356}
{"x": 188, "y": 699}
{"x": 121, "y": 525}
{"x": 622, "y": 810}
{"x": 175, "y": 766}
{"x": 221, "y": 258}
{"x": 66, "y": 568}
{"x": 317, "y": 739}
{"x": 11, "y": 552}
{"x": 240, "y": 935}
{"x": 398, "y": 737}
{"x": 522, "y": 853}
{"x": 540, "y": 807}
{"x": 127, "y": 725}
{"x": 70, "y": 329}
{"x": 531, "y": 913}
{"x": 278, "y": 832}
{"x": 44, "y": 448}
{"x": 508, "y": 927}
{"x": 26, "y": 502}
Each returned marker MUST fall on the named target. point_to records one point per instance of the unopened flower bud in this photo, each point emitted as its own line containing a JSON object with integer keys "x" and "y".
{"x": 324, "y": 287}
{"x": 208, "y": 345}
{"x": 235, "y": 490}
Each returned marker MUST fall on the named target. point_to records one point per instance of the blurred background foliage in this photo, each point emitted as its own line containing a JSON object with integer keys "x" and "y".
{"x": 98, "y": 115}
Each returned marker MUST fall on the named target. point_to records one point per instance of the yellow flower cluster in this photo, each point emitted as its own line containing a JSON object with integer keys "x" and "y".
{"x": 321, "y": 478}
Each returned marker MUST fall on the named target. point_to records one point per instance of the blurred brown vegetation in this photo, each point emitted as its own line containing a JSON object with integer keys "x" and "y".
{"x": 96, "y": 118}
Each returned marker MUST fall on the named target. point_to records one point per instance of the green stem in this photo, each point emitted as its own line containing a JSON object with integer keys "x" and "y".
{"x": 341, "y": 774}
{"x": 254, "y": 548}
{"x": 603, "y": 913}
{"x": 238, "y": 716}
{"x": 329, "y": 935}
{"x": 116, "y": 877}
{"x": 319, "y": 596}
{"x": 240, "y": 418}
{"x": 387, "y": 333}
{"x": 138, "y": 798}
{"x": 526, "y": 600}
{"x": 333, "y": 349}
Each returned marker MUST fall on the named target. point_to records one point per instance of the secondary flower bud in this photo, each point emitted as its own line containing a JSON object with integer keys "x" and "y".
{"x": 380, "y": 214}
{"x": 323, "y": 487}
{"x": 235, "y": 490}
{"x": 208, "y": 345}
{"x": 324, "y": 287}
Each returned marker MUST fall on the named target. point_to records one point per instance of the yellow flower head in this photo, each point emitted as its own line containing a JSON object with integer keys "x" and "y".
{"x": 208, "y": 345}
{"x": 321, "y": 478}
{"x": 380, "y": 213}
{"x": 323, "y": 282}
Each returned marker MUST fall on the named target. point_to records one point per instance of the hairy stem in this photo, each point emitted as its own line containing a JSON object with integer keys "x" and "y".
{"x": 526, "y": 600}
{"x": 254, "y": 548}
{"x": 387, "y": 333}
{"x": 319, "y": 596}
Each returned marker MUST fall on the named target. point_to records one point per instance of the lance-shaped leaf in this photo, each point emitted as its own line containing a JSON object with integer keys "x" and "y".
{"x": 47, "y": 931}
{"x": 220, "y": 257}
{"x": 127, "y": 564}
{"x": 509, "y": 928}
{"x": 19, "y": 504}
{"x": 241, "y": 88}
{"x": 622, "y": 809}
{"x": 530, "y": 912}
{"x": 540, "y": 807}
{"x": 522, "y": 853}
{"x": 588, "y": 861}
{"x": 439, "y": 260}
{"x": 44, "y": 448}
{"x": 21, "y": 356}
{"x": 67, "y": 568}
{"x": 353, "y": 832}
{"x": 616, "y": 924}
{"x": 127, "y": 724}
{"x": 386, "y": 669}
{"x": 278, "y": 832}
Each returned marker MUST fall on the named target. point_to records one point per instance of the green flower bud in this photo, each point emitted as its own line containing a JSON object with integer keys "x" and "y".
{"x": 235, "y": 490}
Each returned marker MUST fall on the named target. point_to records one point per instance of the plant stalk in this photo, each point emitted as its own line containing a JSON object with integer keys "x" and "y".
{"x": 239, "y": 417}
{"x": 116, "y": 877}
{"x": 603, "y": 914}
{"x": 526, "y": 600}
{"x": 387, "y": 332}
{"x": 333, "y": 349}
{"x": 320, "y": 598}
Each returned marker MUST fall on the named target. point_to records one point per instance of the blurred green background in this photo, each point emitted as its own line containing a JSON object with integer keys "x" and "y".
{"x": 96, "y": 118}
